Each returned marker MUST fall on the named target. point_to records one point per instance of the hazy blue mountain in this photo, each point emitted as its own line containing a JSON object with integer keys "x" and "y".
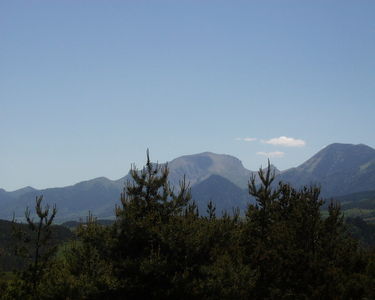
{"x": 199, "y": 167}
{"x": 98, "y": 195}
{"x": 339, "y": 168}
{"x": 5, "y": 199}
{"x": 225, "y": 194}
{"x": 22, "y": 191}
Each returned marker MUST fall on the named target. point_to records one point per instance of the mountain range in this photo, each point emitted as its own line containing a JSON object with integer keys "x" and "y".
{"x": 340, "y": 169}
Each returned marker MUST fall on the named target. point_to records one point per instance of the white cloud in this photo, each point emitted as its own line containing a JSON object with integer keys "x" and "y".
{"x": 246, "y": 139}
{"x": 272, "y": 154}
{"x": 286, "y": 141}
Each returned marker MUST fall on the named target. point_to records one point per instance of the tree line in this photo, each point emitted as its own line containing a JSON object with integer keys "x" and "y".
{"x": 161, "y": 247}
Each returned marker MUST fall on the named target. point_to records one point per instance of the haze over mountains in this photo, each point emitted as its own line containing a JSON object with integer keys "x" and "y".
{"x": 340, "y": 169}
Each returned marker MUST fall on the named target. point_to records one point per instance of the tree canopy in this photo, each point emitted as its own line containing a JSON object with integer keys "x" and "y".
{"x": 160, "y": 247}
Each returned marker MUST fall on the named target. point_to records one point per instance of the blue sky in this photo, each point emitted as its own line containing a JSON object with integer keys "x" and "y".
{"x": 87, "y": 86}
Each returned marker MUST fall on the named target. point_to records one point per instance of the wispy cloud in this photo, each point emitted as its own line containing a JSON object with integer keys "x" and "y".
{"x": 246, "y": 139}
{"x": 272, "y": 154}
{"x": 285, "y": 141}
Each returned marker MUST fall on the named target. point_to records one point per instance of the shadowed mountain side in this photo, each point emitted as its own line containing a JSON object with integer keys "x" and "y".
{"x": 223, "y": 193}
{"x": 5, "y": 198}
{"x": 358, "y": 205}
{"x": 339, "y": 169}
{"x": 22, "y": 191}
{"x": 98, "y": 196}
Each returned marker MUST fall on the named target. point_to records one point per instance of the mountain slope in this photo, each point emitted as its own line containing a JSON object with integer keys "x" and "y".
{"x": 98, "y": 195}
{"x": 360, "y": 204}
{"x": 199, "y": 167}
{"x": 339, "y": 168}
{"x": 223, "y": 193}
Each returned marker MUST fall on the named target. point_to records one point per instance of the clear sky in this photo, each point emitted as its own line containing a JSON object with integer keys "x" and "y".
{"x": 87, "y": 86}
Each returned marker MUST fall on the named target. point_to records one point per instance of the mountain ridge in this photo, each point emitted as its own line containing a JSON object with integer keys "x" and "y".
{"x": 338, "y": 168}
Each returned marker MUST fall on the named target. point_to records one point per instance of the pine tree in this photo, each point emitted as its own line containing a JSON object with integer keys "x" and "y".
{"x": 35, "y": 248}
{"x": 149, "y": 206}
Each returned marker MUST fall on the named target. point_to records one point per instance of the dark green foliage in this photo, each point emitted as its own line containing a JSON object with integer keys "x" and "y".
{"x": 365, "y": 232}
{"x": 35, "y": 248}
{"x": 295, "y": 252}
{"x": 9, "y": 261}
{"x": 358, "y": 205}
{"x": 142, "y": 249}
{"x": 84, "y": 270}
{"x": 42, "y": 230}
{"x": 160, "y": 247}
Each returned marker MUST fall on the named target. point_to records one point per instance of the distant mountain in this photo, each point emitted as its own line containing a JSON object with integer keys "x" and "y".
{"x": 20, "y": 192}
{"x": 225, "y": 194}
{"x": 338, "y": 168}
{"x": 98, "y": 195}
{"x": 5, "y": 196}
{"x": 199, "y": 167}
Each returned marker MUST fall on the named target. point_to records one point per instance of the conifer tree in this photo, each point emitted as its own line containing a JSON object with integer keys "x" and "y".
{"x": 149, "y": 193}
{"x": 211, "y": 210}
{"x": 36, "y": 248}
{"x": 42, "y": 230}
{"x": 295, "y": 252}
{"x": 149, "y": 206}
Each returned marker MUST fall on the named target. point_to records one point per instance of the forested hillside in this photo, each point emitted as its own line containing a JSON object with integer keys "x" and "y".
{"x": 9, "y": 260}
